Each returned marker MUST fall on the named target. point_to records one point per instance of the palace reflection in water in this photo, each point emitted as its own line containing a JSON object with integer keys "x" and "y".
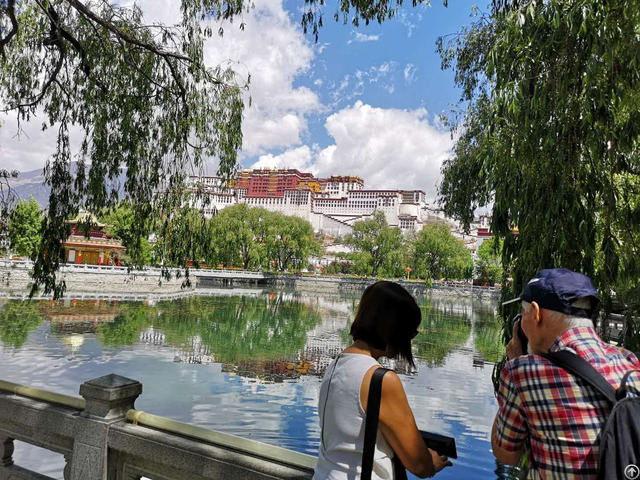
{"x": 250, "y": 363}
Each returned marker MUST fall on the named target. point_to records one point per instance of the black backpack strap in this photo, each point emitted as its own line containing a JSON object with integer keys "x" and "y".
{"x": 371, "y": 424}
{"x": 622, "y": 389}
{"x": 581, "y": 368}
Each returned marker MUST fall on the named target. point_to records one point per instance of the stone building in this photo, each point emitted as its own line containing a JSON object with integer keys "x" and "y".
{"x": 332, "y": 205}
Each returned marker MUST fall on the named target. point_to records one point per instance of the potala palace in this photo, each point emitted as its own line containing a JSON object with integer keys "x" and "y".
{"x": 332, "y": 205}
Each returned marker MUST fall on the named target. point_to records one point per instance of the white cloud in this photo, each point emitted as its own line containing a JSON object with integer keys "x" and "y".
{"x": 388, "y": 148}
{"x": 410, "y": 73}
{"x": 409, "y": 20}
{"x": 27, "y": 148}
{"x": 321, "y": 47}
{"x": 362, "y": 38}
{"x": 272, "y": 48}
{"x": 299, "y": 158}
{"x": 274, "y": 51}
{"x": 352, "y": 85}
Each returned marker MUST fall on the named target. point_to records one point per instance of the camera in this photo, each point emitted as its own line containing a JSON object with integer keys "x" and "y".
{"x": 524, "y": 341}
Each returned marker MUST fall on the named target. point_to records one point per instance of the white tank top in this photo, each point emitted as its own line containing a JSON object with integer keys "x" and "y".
{"x": 342, "y": 421}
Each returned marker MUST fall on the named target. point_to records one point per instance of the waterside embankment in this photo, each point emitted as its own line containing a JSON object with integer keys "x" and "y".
{"x": 16, "y": 280}
{"x": 121, "y": 282}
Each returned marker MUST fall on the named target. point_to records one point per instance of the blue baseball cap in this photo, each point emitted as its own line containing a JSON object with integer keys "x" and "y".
{"x": 558, "y": 288}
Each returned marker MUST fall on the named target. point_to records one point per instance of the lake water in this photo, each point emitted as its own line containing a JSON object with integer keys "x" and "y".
{"x": 249, "y": 362}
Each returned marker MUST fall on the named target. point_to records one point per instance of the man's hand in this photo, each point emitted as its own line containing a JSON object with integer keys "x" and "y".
{"x": 514, "y": 347}
{"x": 439, "y": 461}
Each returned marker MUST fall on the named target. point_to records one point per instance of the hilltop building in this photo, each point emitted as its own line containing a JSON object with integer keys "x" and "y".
{"x": 332, "y": 205}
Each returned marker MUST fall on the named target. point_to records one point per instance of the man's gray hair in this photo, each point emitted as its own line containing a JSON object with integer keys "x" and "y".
{"x": 569, "y": 321}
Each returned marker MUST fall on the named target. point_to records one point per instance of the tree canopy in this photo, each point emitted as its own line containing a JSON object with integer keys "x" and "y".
{"x": 7, "y": 201}
{"x": 124, "y": 224}
{"x": 140, "y": 94}
{"x": 375, "y": 242}
{"x": 25, "y": 224}
{"x": 436, "y": 253}
{"x": 550, "y": 136}
{"x": 488, "y": 266}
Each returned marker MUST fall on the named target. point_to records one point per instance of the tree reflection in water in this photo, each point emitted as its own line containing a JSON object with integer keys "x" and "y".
{"x": 444, "y": 328}
{"x": 225, "y": 329}
{"x": 487, "y": 337}
{"x": 267, "y": 336}
{"x": 17, "y": 320}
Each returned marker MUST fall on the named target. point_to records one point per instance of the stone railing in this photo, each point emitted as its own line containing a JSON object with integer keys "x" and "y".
{"x": 102, "y": 437}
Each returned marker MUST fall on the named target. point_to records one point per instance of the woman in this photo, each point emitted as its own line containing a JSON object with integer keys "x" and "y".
{"x": 387, "y": 320}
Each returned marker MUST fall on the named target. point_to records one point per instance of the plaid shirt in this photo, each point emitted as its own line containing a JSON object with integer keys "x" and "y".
{"x": 557, "y": 414}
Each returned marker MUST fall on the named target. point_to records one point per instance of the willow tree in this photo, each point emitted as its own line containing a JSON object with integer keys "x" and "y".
{"x": 138, "y": 96}
{"x": 25, "y": 224}
{"x": 550, "y": 136}
{"x": 374, "y": 242}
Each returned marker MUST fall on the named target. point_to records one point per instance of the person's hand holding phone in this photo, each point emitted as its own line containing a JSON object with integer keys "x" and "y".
{"x": 514, "y": 347}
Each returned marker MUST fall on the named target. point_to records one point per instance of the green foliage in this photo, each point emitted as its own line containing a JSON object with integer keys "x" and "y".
{"x": 436, "y": 253}
{"x": 374, "y": 242}
{"x": 342, "y": 267}
{"x": 25, "y": 227}
{"x": 488, "y": 269}
{"x": 132, "y": 228}
{"x": 231, "y": 328}
{"x": 17, "y": 320}
{"x": 353, "y": 12}
{"x": 233, "y": 236}
{"x": 182, "y": 238}
{"x": 254, "y": 237}
{"x": 7, "y": 199}
{"x": 290, "y": 241}
{"x": 139, "y": 94}
{"x": 551, "y": 136}
{"x": 441, "y": 332}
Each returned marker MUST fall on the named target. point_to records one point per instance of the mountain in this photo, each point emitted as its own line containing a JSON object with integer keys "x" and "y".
{"x": 32, "y": 184}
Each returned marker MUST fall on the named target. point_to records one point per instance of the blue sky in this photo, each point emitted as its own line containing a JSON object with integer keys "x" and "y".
{"x": 362, "y": 101}
{"x": 409, "y": 39}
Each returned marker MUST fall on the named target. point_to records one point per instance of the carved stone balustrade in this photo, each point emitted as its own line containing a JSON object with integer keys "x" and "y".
{"x": 102, "y": 437}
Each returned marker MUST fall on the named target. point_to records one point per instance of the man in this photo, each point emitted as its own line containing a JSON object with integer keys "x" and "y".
{"x": 556, "y": 416}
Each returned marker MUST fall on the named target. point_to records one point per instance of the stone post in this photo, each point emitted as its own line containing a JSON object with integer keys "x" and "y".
{"x": 6, "y": 451}
{"x": 107, "y": 399}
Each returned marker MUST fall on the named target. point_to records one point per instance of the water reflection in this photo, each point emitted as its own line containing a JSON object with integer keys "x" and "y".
{"x": 250, "y": 364}
{"x": 17, "y": 320}
{"x": 445, "y": 327}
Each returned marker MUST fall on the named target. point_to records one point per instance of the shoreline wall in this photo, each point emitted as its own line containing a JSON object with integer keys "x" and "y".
{"x": 319, "y": 284}
{"x": 15, "y": 281}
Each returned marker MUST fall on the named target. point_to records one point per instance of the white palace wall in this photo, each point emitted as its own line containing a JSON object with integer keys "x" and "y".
{"x": 332, "y": 211}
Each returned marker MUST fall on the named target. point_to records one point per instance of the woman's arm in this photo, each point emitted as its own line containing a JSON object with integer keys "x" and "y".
{"x": 399, "y": 427}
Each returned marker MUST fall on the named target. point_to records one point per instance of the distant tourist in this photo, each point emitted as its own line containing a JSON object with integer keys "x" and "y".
{"x": 387, "y": 320}
{"x": 558, "y": 415}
